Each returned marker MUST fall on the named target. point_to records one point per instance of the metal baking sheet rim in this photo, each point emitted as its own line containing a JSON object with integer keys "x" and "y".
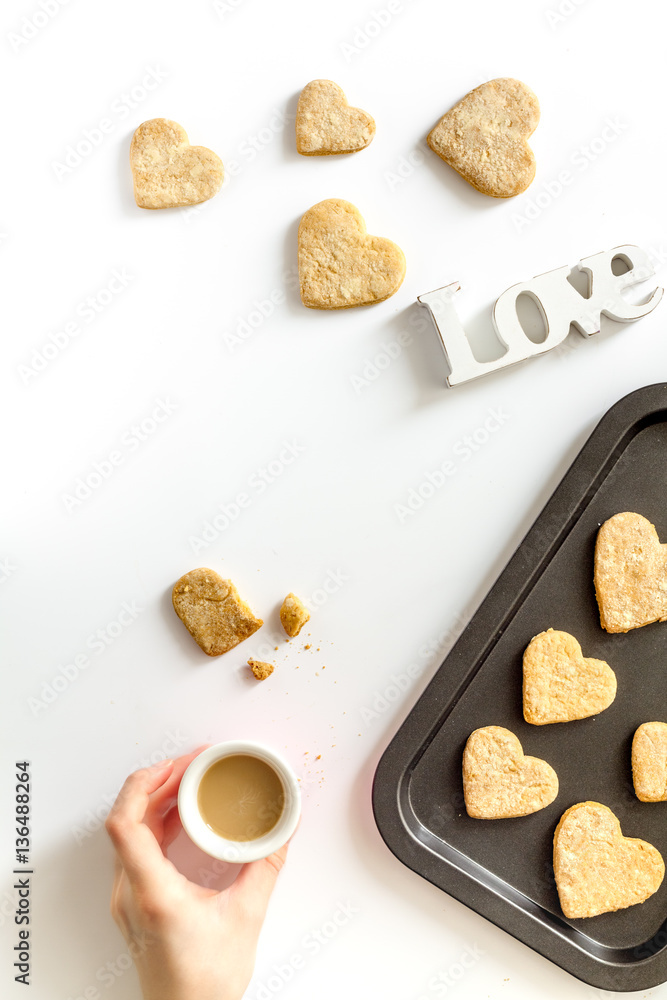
{"x": 486, "y": 894}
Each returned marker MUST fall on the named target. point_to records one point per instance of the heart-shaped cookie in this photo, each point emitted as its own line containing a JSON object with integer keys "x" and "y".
{"x": 630, "y": 573}
{"x": 326, "y": 123}
{"x": 499, "y": 781}
{"x": 649, "y": 762}
{"x": 168, "y": 172}
{"x": 560, "y": 684}
{"x": 597, "y": 869}
{"x": 340, "y": 265}
{"x": 485, "y": 137}
{"x": 212, "y": 611}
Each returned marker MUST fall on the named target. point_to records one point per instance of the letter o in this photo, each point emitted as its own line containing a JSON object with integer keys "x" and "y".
{"x": 52, "y": 352}
{"x": 426, "y": 490}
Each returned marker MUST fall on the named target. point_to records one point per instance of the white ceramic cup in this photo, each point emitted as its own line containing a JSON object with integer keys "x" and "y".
{"x": 235, "y": 851}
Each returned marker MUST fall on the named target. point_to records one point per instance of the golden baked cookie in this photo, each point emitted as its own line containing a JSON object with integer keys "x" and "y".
{"x": 326, "y": 123}
{"x": 485, "y": 137}
{"x": 168, "y": 172}
{"x": 212, "y": 611}
{"x": 293, "y": 615}
{"x": 597, "y": 869}
{"x": 560, "y": 684}
{"x": 340, "y": 265}
{"x": 630, "y": 573}
{"x": 649, "y": 762}
{"x": 260, "y": 669}
{"x": 499, "y": 782}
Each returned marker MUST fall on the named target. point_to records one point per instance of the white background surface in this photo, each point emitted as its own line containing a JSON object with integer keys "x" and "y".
{"x": 195, "y": 275}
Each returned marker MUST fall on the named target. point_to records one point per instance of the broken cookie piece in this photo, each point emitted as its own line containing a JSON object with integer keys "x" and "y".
{"x": 293, "y": 615}
{"x": 260, "y": 669}
{"x": 212, "y": 611}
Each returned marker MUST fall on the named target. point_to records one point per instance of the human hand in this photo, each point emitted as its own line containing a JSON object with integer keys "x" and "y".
{"x": 187, "y": 941}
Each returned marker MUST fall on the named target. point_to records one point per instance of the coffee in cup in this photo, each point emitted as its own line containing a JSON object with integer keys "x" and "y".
{"x": 240, "y": 797}
{"x": 239, "y": 801}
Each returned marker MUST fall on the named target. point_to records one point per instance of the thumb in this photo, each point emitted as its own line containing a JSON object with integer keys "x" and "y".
{"x": 252, "y": 888}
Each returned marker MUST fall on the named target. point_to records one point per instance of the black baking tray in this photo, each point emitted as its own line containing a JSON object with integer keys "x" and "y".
{"x": 502, "y": 869}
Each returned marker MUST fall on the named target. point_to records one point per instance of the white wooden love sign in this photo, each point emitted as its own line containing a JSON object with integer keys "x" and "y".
{"x": 559, "y": 303}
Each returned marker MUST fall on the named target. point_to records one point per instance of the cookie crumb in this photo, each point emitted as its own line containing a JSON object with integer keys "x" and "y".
{"x": 260, "y": 669}
{"x": 293, "y": 615}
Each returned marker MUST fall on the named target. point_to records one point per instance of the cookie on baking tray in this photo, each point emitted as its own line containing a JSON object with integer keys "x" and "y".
{"x": 560, "y": 684}
{"x": 649, "y": 762}
{"x": 630, "y": 573}
{"x": 499, "y": 781}
{"x": 597, "y": 869}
